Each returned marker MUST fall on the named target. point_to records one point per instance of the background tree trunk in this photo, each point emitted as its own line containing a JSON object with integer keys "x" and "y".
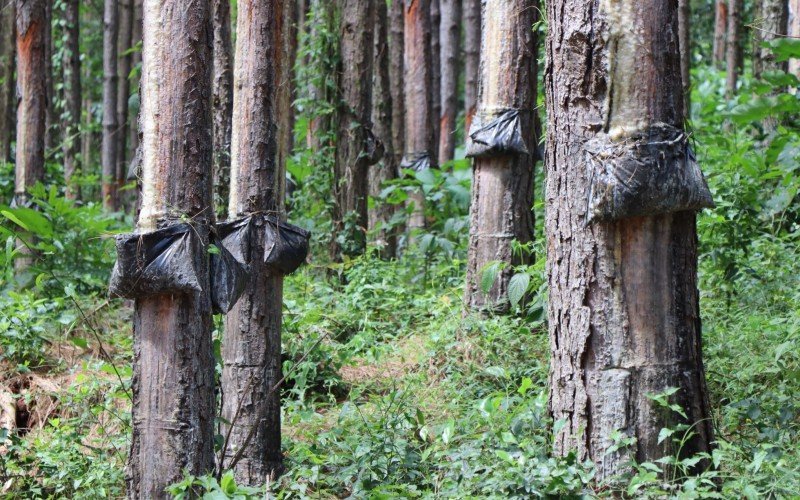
{"x": 684, "y": 36}
{"x": 397, "y": 78}
{"x": 223, "y": 103}
{"x": 732, "y": 53}
{"x": 50, "y": 135}
{"x": 72, "y": 96}
{"x": 794, "y": 31}
{"x": 418, "y": 98}
{"x": 382, "y": 111}
{"x": 173, "y": 368}
{"x": 502, "y": 186}
{"x": 450, "y": 36}
{"x": 136, "y": 59}
{"x": 623, "y": 310}
{"x": 123, "y": 90}
{"x": 8, "y": 97}
{"x": 472, "y": 47}
{"x": 436, "y": 69}
{"x": 287, "y": 91}
{"x": 110, "y": 78}
{"x": 252, "y": 345}
{"x": 771, "y": 23}
{"x": 320, "y": 125}
{"x": 720, "y": 32}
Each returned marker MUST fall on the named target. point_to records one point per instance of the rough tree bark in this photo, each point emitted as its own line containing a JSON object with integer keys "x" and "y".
{"x": 772, "y": 23}
{"x": 109, "y": 152}
{"x": 173, "y": 368}
{"x": 450, "y": 37}
{"x": 720, "y": 32}
{"x": 382, "y": 111}
{"x": 71, "y": 124}
{"x": 8, "y": 98}
{"x": 684, "y": 37}
{"x": 436, "y": 69}
{"x": 733, "y": 56}
{"x": 623, "y": 310}
{"x": 472, "y": 48}
{"x": 502, "y": 185}
{"x": 31, "y": 21}
{"x": 125, "y": 60}
{"x": 223, "y": 103}
{"x": 418, "y": 98}
{"x": 251, "y": 349}
{"x": 354, "y": 153}
{"x": 794, "y": 31}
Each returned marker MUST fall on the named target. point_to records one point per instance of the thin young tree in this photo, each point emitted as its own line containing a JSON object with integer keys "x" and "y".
{"x": 450, "y": 38}
{"x": 472, "y": 50}
{"x": 223, "y": 103}
{"x": 251, "y": 350}
{"x": 8, "y": 35}
{"x": 124, "y": 61}
{"x": 623, "y": 313}
{"x": 733, "y": 54}
{"x": 720, "y": 32}
{"x": 108, "y": 152}
{"x": 356, "y": 148}
{"x": 71, "y": 124}
{"x": 173, "y": 367}
{"x": 502, "y": 183}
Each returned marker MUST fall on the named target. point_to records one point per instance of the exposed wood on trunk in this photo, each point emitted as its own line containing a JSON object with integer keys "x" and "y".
{"x": 771, "y": 22}
{"x": 123, "y": 90}
{"x": 8, "y": 97}
{"x": 71, "y": 124}
{"x": 623, "y": 309}
{"x": 720, "y": 32}
{"x": 252, "y": 345}
{"x": 684, "y": 20}
{"x": 223, "y": 103}
{"x": 502, "y": 186}
{"x": 436, "y": 69}
{"x": 110, "y": 143}
{"x": 472, "y": 47}
{"x": 418, "y": 98}
{"x": 382, "y": 115}
{"x": 173, "y": 377}
{"x": 450, "y": 37}
{"x": 794, "y": 32}
{"x": 732, "y": 53}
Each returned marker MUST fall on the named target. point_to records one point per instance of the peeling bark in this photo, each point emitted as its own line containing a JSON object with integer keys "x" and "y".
{"x": 450, "y": 36}
{"x": 110, "y": 143}
{"x": 223, "y": 103}
{"x": 251, "y": 350}
{"x": 623, "y": 306}
{"x": 720, "y": 32}
{"x": 72, "y": 97}
{"x": 173, "y": 369}
{"x": 8, "y": 98}
{"x": 502, "y": 185}
{"x": 472, "y": 47}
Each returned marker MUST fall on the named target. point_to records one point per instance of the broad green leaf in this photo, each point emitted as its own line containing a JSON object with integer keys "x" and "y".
{"x": 517, "y": 287}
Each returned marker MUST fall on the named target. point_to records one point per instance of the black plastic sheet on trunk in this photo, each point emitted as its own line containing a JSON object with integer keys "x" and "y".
{"x": 416, "y": 161}
{"x": 496, "y": 133}
{"x": 285, "y": 245}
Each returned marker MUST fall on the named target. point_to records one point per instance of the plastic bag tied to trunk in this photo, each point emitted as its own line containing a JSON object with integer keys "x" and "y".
{"x": 285, "y": 245}
{"x": 228, "y": 278}
{"x": 497, "y": 132}
{"x": 416, "y": 161}
{"x": 653, "y": 172}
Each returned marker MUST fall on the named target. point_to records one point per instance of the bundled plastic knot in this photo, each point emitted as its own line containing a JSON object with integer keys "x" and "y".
{"x": 416, "y": 161}
{"x": 285, "y": 245}
{"x": 498, "y": 132}
{"x": 653, "y": 172}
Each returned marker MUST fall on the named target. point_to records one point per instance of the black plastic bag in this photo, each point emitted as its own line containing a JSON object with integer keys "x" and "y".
{"x": 285, "y": 245}
{"x": 235, "y": 237}
{"x": 157, "y": 262}
{"x": 498, "y": 133}
{"x": 652, "y": 173}
{"x": 416, "y": 162}
{"x": 228, "y": 278}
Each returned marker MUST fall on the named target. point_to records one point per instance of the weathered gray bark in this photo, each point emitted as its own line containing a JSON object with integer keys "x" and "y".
{"x": 733, "y": 56}
{"x": 418, "y": 97}
{"x": 355, "y": 148}
{"x": 382, "y": 111}
{"x": 71, "y": 124}
{"x": 771, "y": 23}
{"x": 8, "y": 98}
{"x": 223, "y": 103}
{"x": 110, "y": 143}
{"x": 502, "y": 186}
{"x": 720, "y": 32}
{"x": 472, "y": 47}
{"x": 436, "y": 69}
{"x": 125, "y": 60}
{"x": 173, "y": 369}
{"x": 450, "y": 37}
{"x": 623, "y": 309}
{"x": 251, "y": 349}
{"x": 684, "y": 20}
{"x": 794, "y": 31}
{"x": 31, "y": 20}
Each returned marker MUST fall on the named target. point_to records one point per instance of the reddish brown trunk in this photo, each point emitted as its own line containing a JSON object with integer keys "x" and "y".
{"x": 8, "y": 34}
{"x": 450, "y": 36}
{"x": 720, "y": 32}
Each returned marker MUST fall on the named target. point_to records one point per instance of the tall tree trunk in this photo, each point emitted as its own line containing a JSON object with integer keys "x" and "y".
{"x": 251, "y": 350}
{"x": 450, "y": 36}
{"x": 136, "y": 59}
{"x": 417, "y": 82}
{"x": 109, "y": 147}
{"x": 354, "y": 153}
{"x": 382, "y": 110}
{"x": 502, "y": 184}
{"x": 286, "y": 90}
{"x": 173, "y": 368}
{"x": 223, "y": 103}
{"x": 772, "y": 22}
{"x": 720, "y": 32}
{"x": 623, "y": 310}
{"x": 436, "y": 70}
{"x": 732, "y": 53}
{"x": 684, "y": 36}
{"x": 794, "y": 32}
{"x": 31, "y": 19}
{"x": 50, "y": 110}
{"x": 8, "y": 97}
{"x": 397, "y": 78}
{"x": 72, "y": 96}
{"x": 472, "y": 47}
{"x": 123, "y": 90}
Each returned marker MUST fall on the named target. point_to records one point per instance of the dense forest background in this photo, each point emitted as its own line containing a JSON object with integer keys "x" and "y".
{"x": 391, "y": 389}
